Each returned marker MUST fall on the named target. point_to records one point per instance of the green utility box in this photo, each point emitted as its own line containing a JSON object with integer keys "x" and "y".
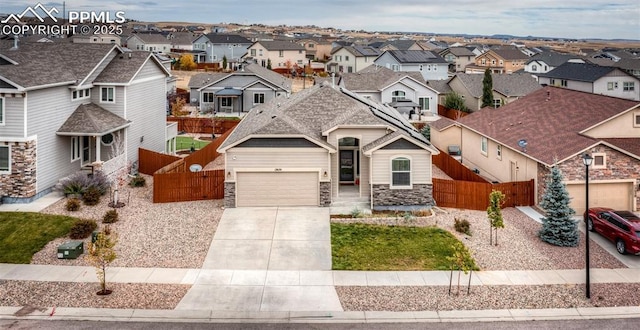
{"x": 70, "y": 250}
{"x": 94, "y": 236}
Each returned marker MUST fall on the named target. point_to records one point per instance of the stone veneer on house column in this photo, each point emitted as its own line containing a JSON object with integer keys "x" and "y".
{"x": 420, "y": 195}
{"x": 21, "y": 182}
{"x": 325, "y": 193}
{"x": 229, "y": 194}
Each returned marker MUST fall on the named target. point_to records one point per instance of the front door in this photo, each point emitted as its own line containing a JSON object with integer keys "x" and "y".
{"x": 86, "y": 150}
{"x": 346, "y": 166}
{"x": 226, "y": 104}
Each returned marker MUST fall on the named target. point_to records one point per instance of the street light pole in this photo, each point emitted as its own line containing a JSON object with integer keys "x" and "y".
{"x": 587, "y": 159}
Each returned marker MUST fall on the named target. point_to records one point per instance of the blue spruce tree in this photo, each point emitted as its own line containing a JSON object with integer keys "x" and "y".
{"x": 558, "y": 227}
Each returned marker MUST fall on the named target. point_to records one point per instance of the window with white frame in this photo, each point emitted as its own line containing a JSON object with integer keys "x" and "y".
{"x": 75, "y": 148}
{"x": 499, "y": 151}
{"x": 497, "y": 103}
{"x": 484, "y": 145}
{"x": 81, "y": 94}
{"x": 281, "y": 53}
{"x": 107, "y": 139}
{"x": 5, "y": 159}
{"x": 207, "y": 97}
{"x": 258, "y": 98}
{"x": 395, "y": 67}
{"x": 628, "y": 86}
{"x": 400, "y": 172}
{"x": 2, "y": 111}
{"x": 346, "y": 57}
{"x": 483, "y": 61}
{"x": 424, "y": 103}
{"x": 534, "y": 68}
{"x": 107, "y": 95}
{"x": 397, "y": 95}
{"x": 610, "y": 86}
{"x": 253, "y": 52}
{"x": 599, "y": 160}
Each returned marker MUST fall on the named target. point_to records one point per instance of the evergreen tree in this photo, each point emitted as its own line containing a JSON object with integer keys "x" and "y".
{"x": 558, "y": 227}
{"x": 494, "y": 212}
{"x": 455, "y": 101}
{"x": 269, "y": 64}
{"x": 224, "y": 62}
{"x": 426, "y": 132}
{"x": 487, "y": 89}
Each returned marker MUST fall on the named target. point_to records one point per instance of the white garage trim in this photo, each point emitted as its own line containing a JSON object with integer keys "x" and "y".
{"x": 277, "y": 188}
{"x": 616, "y": 194}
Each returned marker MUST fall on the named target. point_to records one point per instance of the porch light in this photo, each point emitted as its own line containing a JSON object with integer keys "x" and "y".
{"x": 324, "y": 174}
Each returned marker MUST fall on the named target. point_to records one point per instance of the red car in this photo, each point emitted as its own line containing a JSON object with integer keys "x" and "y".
{"x": 620, "y": 227}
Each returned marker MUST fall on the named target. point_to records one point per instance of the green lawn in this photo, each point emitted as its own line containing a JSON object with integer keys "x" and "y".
{"x": 23, "y": 234}
{"x": 184, "y": 142}
{"x": 375, "y": 247}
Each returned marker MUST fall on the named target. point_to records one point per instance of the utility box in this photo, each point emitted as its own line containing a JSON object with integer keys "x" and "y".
{"x": 94, "y": 236}
{"x": 70, "y": 250}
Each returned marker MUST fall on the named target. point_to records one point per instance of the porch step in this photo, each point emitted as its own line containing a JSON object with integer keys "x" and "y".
{"x": 343, "y": 207}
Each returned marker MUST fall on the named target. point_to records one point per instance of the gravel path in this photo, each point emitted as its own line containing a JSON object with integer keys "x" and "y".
{"x": 166, "y": 235}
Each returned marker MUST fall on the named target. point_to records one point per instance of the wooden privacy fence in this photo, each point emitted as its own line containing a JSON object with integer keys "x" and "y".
{"x": 454, "y": 168}
{"x": 450, "y": 113}
{"x": 174, "y": 182}
{"x": 203, "y": 125}
{"x": 475, "y": 195}
{"x": 150, "y": 161}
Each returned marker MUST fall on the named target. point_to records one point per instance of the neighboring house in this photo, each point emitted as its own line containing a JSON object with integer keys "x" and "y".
{"x": 317, "y": 49}
{"x": 458, "y": 58}
{"x": 395, "y": 89}
{"x": 555, "y": 126}
{"x": 282, "y": 54}
{"x": 630, "y": 66}
{"x": 506, "y": 88}
{"x": 97, "y": 39}
{"x": 345, "y": 59}
{"x": 547, "y": 61}
{"x": 151, "y": 42}
{"x": 499, "y": 60}
{"x": 429, "y": 64}
{"x": 400, "y": 45}
{"x": 181, "y": 41}
{"x": 325, "y": 144}
{"x": 92, "y": 110}
{"x": 593, "y": 78}
{"x": 237, "y": 92}
{"x": 213, "y": 47}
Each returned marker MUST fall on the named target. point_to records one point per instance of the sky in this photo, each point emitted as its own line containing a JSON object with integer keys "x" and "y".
{"x": 575, "y": 19}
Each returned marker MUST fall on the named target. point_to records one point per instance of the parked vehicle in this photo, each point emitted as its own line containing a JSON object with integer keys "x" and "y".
{"x": 620, "y": 227}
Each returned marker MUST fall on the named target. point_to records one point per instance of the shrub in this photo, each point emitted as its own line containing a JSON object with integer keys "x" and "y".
{"x": 100, "y": 181}
{"x": 82, "y": 229}
{"x": 110, "y": 217}
{"x": 356, "y": 213}
{"x": 73, "y": 204}
{"x": 462, "y": 226}
{"x": 91, "y": 196}
{"x": 74, "y": 184}
{"x": 138, "y": 181}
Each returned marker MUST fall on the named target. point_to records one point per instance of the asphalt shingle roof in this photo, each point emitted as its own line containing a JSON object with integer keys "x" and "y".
{"x": 416, "y": 56}
{"x": 281, "y": 45}
{"x": 203, "y": 79}
{"x": 122, "y": 68}
{"x": 375, "y": 78}
{"x": 92, "y": 119}
{"x": 578, "y": 71}
{"x": 550, "y": 119}
{"x": 552, "y": 58}
{"x": 223, "y": 38}
{"x": 459, "y": 51}
{"x": 399, "y": 44}
{"x": 513, "y": 85}
{"x": 510, "y": 53}
{"x": 152, "y": 38}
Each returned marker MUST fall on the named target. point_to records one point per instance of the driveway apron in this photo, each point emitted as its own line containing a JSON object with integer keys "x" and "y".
{"x": 267, "y": 259}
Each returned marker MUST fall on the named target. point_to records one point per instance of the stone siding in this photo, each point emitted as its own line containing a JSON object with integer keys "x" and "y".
{"x": 325, "y": 193}
{"x": 21, "y": 182}
{"x": 420, "y": 195}
{"x": 229, "y": 194}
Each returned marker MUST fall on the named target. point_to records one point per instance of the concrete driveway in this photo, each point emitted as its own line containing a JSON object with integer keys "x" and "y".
{"x": 267, "y": 259}
{"x": 628, "y": 260}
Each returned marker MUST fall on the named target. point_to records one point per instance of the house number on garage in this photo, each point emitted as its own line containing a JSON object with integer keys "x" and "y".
{"x": 278, "y": 170}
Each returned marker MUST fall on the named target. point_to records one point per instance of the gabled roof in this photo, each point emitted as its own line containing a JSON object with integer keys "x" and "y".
{"x": 579, "y": 72}
{"x": 152, "y": 38}
{"x": 511, "y": 85}
{"x": 510, "y": 53}
{"x": 457, "y": 51}
{"x": 123, "y": 68}
{"x": 91, "y": 119}
{"x": 316, "y": 111}
{"x": 359, "y": 51}
{"x": 415, "y": 56}
{"x": 376, "y": 78}
{"x": 224, "y": 38}
{"x": 550, "y": 120}
{"x": 280, "y": 45}
{"x": 440, "y": 86}
{"x": 399, "y": 44}
{"x": 630, "y": 145}
{"x": 203, "y": 80}
{"x": 552, "y": 58}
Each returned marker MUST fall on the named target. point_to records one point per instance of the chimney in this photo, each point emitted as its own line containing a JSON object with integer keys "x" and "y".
{"x": 129, "y": 55}
{"x": 548, "y": 95}
{"x": 15, "y": 42}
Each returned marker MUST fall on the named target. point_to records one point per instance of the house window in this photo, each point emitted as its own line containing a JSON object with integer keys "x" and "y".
{"x": 395, "y": 67}
{"x": 483, "y": 61}
{"x": 311, "y": 45}
{"x": 75, "y": 148}
{"x": 281, "y": 53}
{"x": 226, "y": 102}
{"x": 400, "y": 172}
{"x": 501, "y": 63}
{"x": 397, "y": 95}
{"x": 497, "y": 103}
{"x": 207, "y": 97}
{"x": 260, "y": 52}
{"x": 81, "y": 94}
{"x": 107, "y": 139}
{"x": 107, "y": 95}
{"x": 499, "y": 152}
{"x": 493, "y": 62}
{"x": 253, "y": 52}
{"x": 628, "y": 86}
{"x": 636, "y": 120}
{"x": 563, "y": 83}
{"x": 1, "y": 110}
{"x": 258, "y": 98}
{"x": 299, "y": 62}
{"x": 300, "y": 52}
{"x": 599, "y": 160}
{"x": 484, "y": 145}
{"x": 346, "y": 57}
{"x": 534, "y": 68}
{"x": 338, "y": 58}
{"x": 424, "y": 103}
{"x": 5, "y": 159}
{"x": 610, "y": 86}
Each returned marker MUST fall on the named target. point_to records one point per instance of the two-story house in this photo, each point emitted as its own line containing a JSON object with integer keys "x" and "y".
{"x": 239, "y": 91}
{"x": 506, "y": 88}
{"x": 317, "y": 49}
{"x": 282, "y": 55}
{"x": 458, "y": 58}
{"x": 547, "y": 61}
{"x": 345, "y": 59}
{"x": 593, "y": 78}
{"x": 404, "y": 91}
{"x": 429, "y": 64}
{"x": 400, "y": 44}
{"x": 499, "y": 60}
{"x": 151, "y": 42}
{"x": 92, "y": 110}
{"x": 213, "y": 47}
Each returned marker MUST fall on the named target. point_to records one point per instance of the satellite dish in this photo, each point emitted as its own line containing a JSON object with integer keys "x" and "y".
{"x": 195, "y": 168}
{"x": 523, "y": 144}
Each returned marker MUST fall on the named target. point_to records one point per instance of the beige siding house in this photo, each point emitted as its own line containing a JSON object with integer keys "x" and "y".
{"x": 322, "y": 145}
{"x": 281, "y": 54}
{"x": 555, "y": 127}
